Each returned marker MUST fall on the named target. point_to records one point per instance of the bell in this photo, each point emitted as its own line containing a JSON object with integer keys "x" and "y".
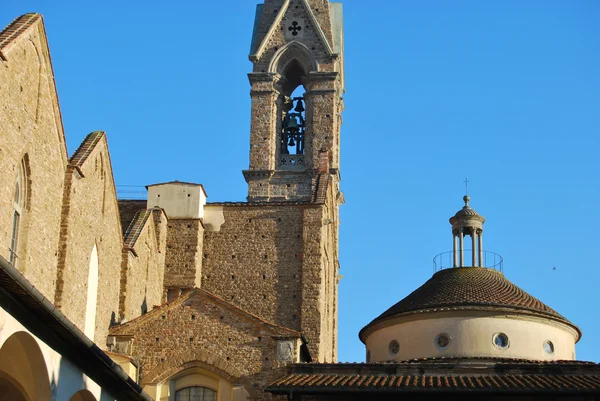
{"x": 299, "y": 107}
{"x": 291, "y": 142}
{"x": 292, "y": 124}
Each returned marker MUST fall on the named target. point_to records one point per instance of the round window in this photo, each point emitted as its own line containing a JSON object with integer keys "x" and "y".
{"x": 501, "y": 340}
{"x": 548, "y": 347}
{"x": 394, "y": 347}
{"x": 443, "y": 340}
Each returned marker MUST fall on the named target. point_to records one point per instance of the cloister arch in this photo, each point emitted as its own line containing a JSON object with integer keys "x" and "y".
{"x": 83, "y": 395}
{"x": 23, "y": 370}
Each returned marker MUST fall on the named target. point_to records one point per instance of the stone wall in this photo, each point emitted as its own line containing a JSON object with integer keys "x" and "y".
{"x": 142, "y": 270}
{"x": 279, "y": 262}
{"x": 200, "y": 330}
{"x": 183, "y": 261}
{"x": 255, "y": 261}
{"x": 90, "y": 217}
{"x": 31, "y": 129}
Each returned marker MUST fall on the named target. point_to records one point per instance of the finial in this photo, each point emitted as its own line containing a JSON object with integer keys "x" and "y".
{"x": 466, "y": 198}
{"x": 466, "y": 181}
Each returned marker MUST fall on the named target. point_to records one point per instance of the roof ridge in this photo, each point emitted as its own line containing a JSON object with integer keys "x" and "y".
{"x": 188, "y": 294}
{"x": 135, "y": 227}
{"x": 16, "y": 28}
{"x": 86, "y": 147}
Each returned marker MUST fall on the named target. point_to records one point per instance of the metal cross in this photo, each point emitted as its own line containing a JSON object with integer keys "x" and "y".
{"x": 466, "y": 181}
{"x": 295, "y": 28}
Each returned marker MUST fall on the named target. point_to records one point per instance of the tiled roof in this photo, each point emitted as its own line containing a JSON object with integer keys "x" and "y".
{"x": 472, "y": 287}
{"x": 16, "y": 28}
{"x": 86, "y": 147}
{"x": 128, "y": 210}
{"x": 449, "y": 376}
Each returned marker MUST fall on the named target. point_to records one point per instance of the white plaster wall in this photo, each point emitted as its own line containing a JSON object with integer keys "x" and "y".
{"x": 471, "y": 336}
{"x": 213, "y": 217}
{"x": 179, "y": 200}
{"x": 65, "y": 378}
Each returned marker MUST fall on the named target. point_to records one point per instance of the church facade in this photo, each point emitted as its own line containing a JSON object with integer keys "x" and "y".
{"x": 189, "y": 299}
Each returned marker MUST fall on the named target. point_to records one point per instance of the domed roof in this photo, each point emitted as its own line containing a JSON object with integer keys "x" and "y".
{"x": 466, "y": 210}
{"x": 472, "y": 288}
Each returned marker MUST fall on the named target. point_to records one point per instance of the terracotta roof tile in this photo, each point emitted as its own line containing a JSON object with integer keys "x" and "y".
{"x": 16, "y": 28}
{"x": 446, "y": 375}
{"x": 472, "y": 287}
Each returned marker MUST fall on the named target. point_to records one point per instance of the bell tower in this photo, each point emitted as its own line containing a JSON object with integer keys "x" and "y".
{"x": 297, "y": 86}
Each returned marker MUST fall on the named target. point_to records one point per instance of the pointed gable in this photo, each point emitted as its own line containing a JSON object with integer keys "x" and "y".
{"x": 295, "y": 21}
{"x": 24, "y": 49}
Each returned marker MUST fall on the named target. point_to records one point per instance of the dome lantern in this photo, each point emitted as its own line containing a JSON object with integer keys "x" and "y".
{"x": 467, "y": 222}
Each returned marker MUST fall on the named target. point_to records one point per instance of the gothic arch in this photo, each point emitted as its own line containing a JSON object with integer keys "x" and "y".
{"x": 198, "y": 359}
{"x": 22, "y": 360}
{"x": 293, "y": 51}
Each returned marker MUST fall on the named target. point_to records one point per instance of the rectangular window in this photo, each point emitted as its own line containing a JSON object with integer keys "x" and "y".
{"x": 14, "y": 241}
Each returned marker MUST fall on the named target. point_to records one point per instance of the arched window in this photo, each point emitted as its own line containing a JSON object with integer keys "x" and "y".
{"x": 20, "y": 195}
{"x": 196, "y": 394}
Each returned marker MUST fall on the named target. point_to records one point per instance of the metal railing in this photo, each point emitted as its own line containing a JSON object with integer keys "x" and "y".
{"x": 490, "y": 260}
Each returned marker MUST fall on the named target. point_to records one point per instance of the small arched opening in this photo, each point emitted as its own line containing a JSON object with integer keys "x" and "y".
{"x": 293, "y": 116}
{"x": 23, "y": 371}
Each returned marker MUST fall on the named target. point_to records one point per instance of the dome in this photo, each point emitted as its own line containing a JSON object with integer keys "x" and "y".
{"x": 466, "y": 211}
{"x": 469, "y": 287}
{"x": 469, "y": 312}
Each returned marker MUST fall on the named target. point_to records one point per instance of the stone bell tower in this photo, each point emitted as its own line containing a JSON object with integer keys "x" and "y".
{"x": 297, "y": 86}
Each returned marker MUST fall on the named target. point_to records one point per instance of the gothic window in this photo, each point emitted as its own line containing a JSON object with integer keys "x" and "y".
{"x": 19, "y": 198}
{"x": 196, "y": 394}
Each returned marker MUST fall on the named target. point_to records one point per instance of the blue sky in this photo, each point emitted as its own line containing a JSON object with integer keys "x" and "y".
{"x": 506, "y": 93}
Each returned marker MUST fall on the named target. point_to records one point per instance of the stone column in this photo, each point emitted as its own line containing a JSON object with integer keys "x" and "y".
{"x": 474, "y": 247}
{"x": 462, "y": 247}
{"x": 480, "y": 248}
{"x": 454, "y": 254}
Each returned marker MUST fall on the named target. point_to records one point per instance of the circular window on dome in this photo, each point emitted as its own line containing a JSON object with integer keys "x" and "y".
{"x": 443, "y": 340}
{"x": 501, "y": 340}
{"x": 394, "y": 347}
{"x": 548, "y": 347}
